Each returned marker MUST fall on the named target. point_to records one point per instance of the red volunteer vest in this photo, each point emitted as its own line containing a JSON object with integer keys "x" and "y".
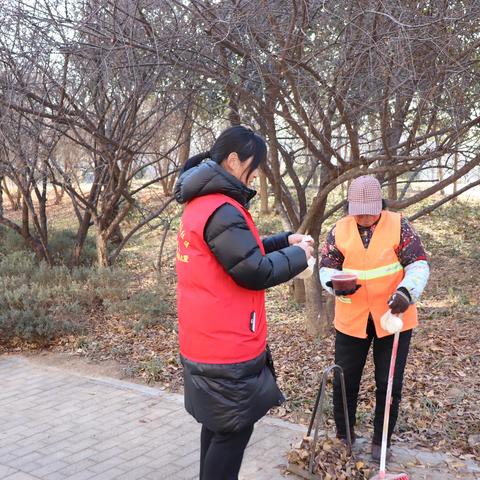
{"x": 379, "y": 273}
{"x": 218, "y": 320}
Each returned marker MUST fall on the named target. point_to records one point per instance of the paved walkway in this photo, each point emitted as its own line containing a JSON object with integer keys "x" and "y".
{"x": 55, "y": 425}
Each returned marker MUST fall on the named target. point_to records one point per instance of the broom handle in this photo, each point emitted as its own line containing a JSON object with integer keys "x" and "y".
{"x": 388, "y": 401}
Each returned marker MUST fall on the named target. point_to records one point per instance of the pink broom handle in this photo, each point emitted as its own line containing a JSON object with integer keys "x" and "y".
{"x": 388, "y": 401}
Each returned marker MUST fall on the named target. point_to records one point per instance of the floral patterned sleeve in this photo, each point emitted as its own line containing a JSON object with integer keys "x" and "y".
{"x": 331, "y": 256}
{"x": 410, "y": 249}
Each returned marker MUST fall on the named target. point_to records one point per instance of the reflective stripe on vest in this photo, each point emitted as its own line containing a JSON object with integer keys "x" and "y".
{"x": 376, "y": 272}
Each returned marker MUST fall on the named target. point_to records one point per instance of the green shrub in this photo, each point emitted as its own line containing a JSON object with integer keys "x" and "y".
{"x": 17, "y": 263}
{"x": 61, "y": 244}
{"x": 71, "y": 311}
{"x": 11, "y": 241}
{"x": 45, "y": 275}
{"x": 110, "y": 284}
{"x": 33, "y": 325}
{"x": 147, "y": 307}
{"x": 80, "y": 274}
{"x": 152, "y": 369}
{"x": 39, "y": 303}
{"x": 24, "y": 297}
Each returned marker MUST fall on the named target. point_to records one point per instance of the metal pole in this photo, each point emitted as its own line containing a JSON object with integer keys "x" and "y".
{"x": 317, "y": 422}
{"x": 314, "y": 411}
{"x": 316, "y": 416}
{"x": 345, "y": 408}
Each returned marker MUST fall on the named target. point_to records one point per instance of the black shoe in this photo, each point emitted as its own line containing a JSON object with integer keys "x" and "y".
{"x": 377, "y": 450}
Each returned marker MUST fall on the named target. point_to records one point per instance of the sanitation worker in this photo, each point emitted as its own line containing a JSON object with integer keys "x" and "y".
{"x": 383, "y": 250}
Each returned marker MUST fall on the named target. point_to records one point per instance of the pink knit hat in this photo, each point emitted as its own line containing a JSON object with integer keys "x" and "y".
{"x": 365, "y": 196}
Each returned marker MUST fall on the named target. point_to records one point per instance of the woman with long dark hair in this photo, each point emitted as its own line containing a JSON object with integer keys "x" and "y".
{"x": 223, "y": 270}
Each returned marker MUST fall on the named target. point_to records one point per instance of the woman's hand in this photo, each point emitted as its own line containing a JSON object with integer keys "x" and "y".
{"x": 305, "y": 242}
{"x": 306, "y": 247}
{"x": 296, "y": 238}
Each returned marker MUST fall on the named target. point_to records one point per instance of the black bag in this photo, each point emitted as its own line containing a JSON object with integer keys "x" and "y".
{"x": 269, "y": 361}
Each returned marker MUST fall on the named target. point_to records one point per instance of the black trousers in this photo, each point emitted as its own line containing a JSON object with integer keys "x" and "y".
{"x": 351, "y": 354}
{"x": 221, "y": 454}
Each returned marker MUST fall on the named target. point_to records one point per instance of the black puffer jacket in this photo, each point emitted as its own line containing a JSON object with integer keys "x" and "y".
{"x": 229, "y": 238}
{"x": 231, "y": 397}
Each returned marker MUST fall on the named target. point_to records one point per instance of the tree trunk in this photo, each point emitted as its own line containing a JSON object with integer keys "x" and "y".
{"x": 41, "y": 225}
{"x": 14, "y": 199}
{"x": 455, "y": 169}
{"x": 18, "y": 200}
{"x": 42, "y": 209}
{"x": 392, "y": 188}
{"x": 185, "y": 141}
{"x": 298, "y": 290}
{"x": 117, "y": 236}
{"x": 392, "y": 129}
{"x": 85, "y": 222}
{"x": 80, "y": 240}
{"x": 328, "y": 311}
{"x": 315, "y": 178}
{"x": 59, "y": 192}
{"x": 25, "y": 220}
{"x": 108, "y": 230}
{"x": 102, "y": 253}
{"x": 263, "y": 192}
{"x": 274, "y": 159}
{"x": 159, "y": 263}
{"x": 108, "y": 218}
{"x": 233, "y": 107}
{"x": 185, "y": 138}
{"x": 1, "y": 196}
{"x": 317, "y": 321}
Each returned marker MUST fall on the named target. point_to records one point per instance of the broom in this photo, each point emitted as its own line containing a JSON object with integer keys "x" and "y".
{"x": 382, "y": 475}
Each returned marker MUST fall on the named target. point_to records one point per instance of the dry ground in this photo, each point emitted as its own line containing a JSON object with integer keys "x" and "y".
{"x": 441, "y": 405}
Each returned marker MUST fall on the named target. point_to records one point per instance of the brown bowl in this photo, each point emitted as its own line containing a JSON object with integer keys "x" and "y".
{"x": 344, "y": 281}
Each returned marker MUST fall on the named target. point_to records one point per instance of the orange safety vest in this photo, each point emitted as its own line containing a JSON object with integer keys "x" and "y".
{"x": 379, "y": 273}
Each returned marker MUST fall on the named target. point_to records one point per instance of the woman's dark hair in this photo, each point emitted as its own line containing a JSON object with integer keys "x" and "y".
{"x": 239, "y": 139}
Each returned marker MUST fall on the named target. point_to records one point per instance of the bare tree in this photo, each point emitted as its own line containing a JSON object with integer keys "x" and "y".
{"x": 339, "y": 89}
{"x": 26, "y": 147}
{"x": 353, "y": 87}
{"x": 103, "y": 90}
